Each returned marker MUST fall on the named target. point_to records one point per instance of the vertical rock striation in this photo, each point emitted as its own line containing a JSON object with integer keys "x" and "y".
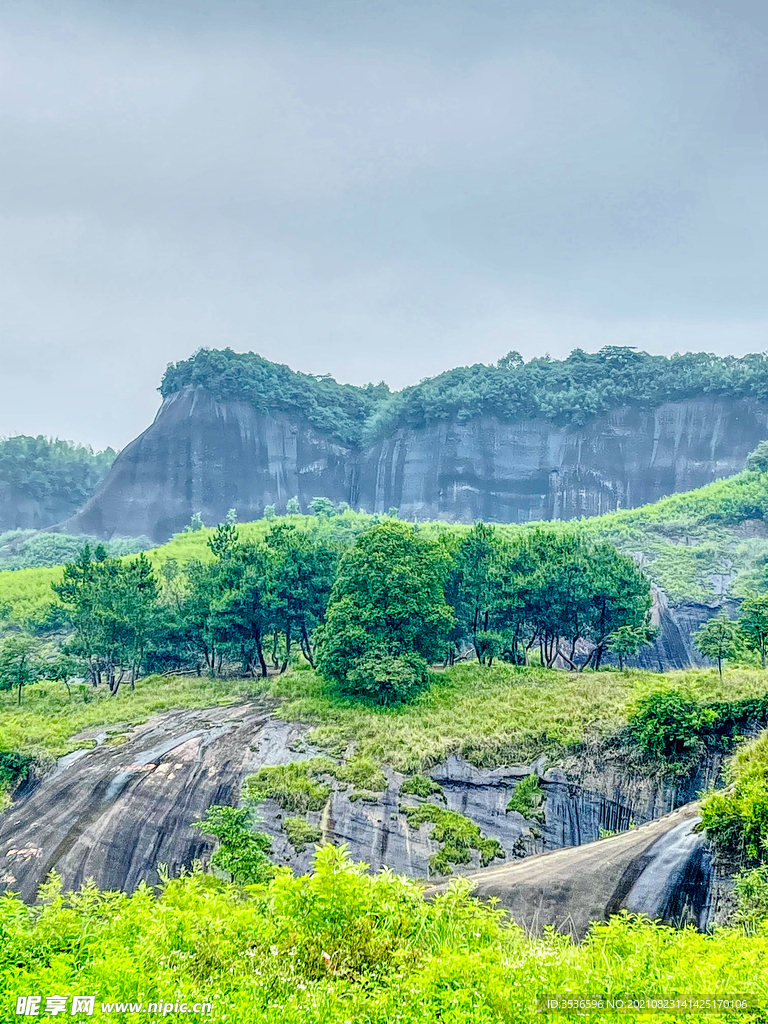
{"x": 204, "y": 455}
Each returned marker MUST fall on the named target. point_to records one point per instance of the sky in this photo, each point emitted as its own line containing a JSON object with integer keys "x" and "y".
{"x": 376, "y": 190}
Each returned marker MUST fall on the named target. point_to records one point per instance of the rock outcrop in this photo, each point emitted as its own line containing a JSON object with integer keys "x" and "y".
{"x": 204, "y": 455}
{"x": 115, "y": 812}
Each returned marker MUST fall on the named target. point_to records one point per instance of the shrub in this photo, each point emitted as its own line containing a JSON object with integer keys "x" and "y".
{"x": 14, "y": 767}
{"x": 667, "y": 724}
{"x": 527, "y": 798}
{"x": 382, "y": 679}
{"x": 242, "y": 853}
{"x": 301, "y": 833}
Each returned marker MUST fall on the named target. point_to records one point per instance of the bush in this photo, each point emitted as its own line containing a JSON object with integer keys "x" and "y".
{"x": 242, "y": 853}
{"x": 527, "y": 798}
{"x": 666, "y": 725}
{"x": 301, "y": 833}
{"x": 382, "y": 679}
{"x": 14, "y": 767}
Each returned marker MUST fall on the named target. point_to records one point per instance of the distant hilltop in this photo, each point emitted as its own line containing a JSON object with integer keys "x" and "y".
{"x": 546, "y": 439}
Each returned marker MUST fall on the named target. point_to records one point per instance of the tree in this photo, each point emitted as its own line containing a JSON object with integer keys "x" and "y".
{"x": 473, "y": 589}
{"x": 322, "y": 507}
{"x": 111, "y": 605}
{"x": 626, "y": 641}
{"x": 757, "y": 461}
{"x": 300, "y": 574}
{"x": 269, "y": 512}
{"x": 753, "y": 623}
{"x": 242, "y": 853}
{"x": 19, "y": 662}
{"x": 718, "y": 640}
{"x": 292, "y": 507}
{"x": 388, "y": 599}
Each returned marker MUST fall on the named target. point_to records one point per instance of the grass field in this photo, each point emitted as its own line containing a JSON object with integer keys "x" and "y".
{"x": 491, "y": 716}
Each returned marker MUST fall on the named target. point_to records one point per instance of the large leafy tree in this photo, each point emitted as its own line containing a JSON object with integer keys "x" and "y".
{"x": 388, "y": 600}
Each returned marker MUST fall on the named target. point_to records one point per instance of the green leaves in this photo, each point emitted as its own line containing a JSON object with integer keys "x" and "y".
{"x": 241, "y": 853}
{"x": 387, "y": 616}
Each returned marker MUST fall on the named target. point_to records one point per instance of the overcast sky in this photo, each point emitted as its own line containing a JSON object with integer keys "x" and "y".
{"x": 377, "y": 190}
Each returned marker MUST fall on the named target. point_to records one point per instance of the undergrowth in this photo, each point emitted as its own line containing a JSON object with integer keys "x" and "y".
{"x": 457, "y": 833}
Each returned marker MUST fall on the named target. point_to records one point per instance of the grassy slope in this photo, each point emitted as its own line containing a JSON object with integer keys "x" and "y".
{"x": 490, "y": 716}
{"x": 692, "y": 544}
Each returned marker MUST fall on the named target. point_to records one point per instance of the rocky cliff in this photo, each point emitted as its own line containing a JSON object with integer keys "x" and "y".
{"x": 115, "y": 812}
{"x": 207, "y": 455}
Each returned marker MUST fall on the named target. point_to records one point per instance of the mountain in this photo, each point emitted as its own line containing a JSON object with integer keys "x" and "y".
{"x": 512, "y": 443}
{"x": 43, "y": 480}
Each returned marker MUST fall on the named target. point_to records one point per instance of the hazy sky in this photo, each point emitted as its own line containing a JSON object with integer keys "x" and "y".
{"x": 379, "y": 190}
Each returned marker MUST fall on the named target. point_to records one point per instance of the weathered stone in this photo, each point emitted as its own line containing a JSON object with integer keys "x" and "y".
{"x": 202, "y": 455}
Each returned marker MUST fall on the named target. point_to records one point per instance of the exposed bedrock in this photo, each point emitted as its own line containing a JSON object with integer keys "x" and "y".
{"x": 116, "y": 811}
{"x": 662, "y": 869}
{"x": 202, "y": 455}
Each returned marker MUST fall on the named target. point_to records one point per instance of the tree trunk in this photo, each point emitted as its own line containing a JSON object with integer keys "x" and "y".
{"x": 260, "y": 652}
{"x": 307, "y": 647}
{"x": 287, "y": 648}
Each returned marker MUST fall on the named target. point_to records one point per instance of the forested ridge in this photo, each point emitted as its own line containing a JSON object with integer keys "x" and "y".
{"x": 568, "y": 390}
{"x": 57, "y": 476}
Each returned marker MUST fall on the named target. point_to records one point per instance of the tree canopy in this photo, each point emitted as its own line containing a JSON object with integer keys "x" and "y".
{"x": 59, "y": 476}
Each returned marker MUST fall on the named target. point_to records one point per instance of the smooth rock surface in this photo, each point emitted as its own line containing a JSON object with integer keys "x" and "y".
{"x": 661, "y": 869}
{"x": 202, "y": 455}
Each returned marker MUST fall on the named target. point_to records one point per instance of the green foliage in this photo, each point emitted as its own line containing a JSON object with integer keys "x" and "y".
{"x": 292, "y": 507}
{"x": 241, "y": 853}
{"x": 420, "y": 785}
{"x": 380, "y": 678}
{"x": 339, "y": 410}
{"x": 736, "y": 818}
{"x": 718, "y": 639}
{"x": 58, "y": 476}
{"x": 111, "y": 606}
{"x": 457, "y": 833}
{"x": 343, "y": 945}
{"x": 301, "y": 833}
{"x": 527, "y": 798}
{"x": 20, "y": 662}
{"x": 297, "y": 786}
{"x": 14, "y": 767}
{"x": 362, "y": 772}
{"x": 757, "y": 461}
{"x": 27, "y": 549}
{"x": 751, "y": 888}
{"x": 753, "y": 624}
{"x": 626, "y": 641}
{"x": 387, "y": 600}
{"x": 570, "y": 390}
{"x": 667, "y": 724}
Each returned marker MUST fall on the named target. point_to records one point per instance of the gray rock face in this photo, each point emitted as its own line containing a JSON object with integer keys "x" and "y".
{"x": 662, "y": 869}
{"x": 113, "y": 813}
{"x": 205, "y": 456}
